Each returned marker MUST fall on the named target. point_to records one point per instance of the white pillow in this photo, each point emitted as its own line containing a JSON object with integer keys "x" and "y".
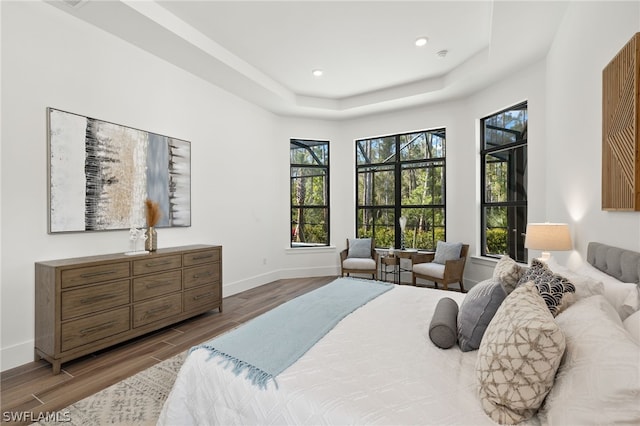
{"x": 598, "y": 381}
{"x": 625, "y": 297}
{"x": 632, "y": 325}
{"x": 585, "y": 285}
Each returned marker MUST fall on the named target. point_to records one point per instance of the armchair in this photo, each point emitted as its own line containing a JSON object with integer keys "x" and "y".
{"x": 449, "y": 272}
{"x": 360, "y": 257}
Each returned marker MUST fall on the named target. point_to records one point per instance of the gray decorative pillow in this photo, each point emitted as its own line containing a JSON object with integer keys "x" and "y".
{"x": 442, "y": 330}
{"x": 477, "y": 311}
{"x": 508, "y": 272}
{"x": 447, "y": 251}
{"x": 552, "y": 287}
{"x": 518, "y": 357}
{"x": 359, "y": 247}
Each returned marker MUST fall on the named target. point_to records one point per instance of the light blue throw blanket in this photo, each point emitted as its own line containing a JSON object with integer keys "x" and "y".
{"x": 271, "y": 342}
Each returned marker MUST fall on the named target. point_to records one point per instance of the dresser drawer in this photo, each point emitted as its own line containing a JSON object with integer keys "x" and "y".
{"x": 156, "y": 309}
{"x": 202, "y": 296}
{"x": 94, "y": 299}
{"x": 94, "y": 274}
{"x": 200, "y": 275}
{"x": 156, "y": 285}
{"x": 156, "y": 264}
{"x": 80, "y": 332}
{"x": 199, "y": 257}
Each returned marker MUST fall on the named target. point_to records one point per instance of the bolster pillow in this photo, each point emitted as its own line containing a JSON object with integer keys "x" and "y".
{"x": 443, "y": 330}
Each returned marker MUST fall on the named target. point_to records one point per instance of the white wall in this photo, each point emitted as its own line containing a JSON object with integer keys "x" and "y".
{"x": 239, "y": 156}
{"x": 51, "y": 59}
{"x": 590, "y": 36}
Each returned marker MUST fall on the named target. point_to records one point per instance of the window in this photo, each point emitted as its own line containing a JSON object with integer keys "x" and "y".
{"x": 503, "y": 159}
{"x": 401, "y": 175}
{"x": 309, "y": 193}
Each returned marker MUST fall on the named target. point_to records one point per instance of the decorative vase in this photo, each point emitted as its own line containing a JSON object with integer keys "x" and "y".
{"x": 151, "y": 243}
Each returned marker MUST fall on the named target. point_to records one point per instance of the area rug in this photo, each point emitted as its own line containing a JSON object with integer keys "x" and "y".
{"x": 136, "y": 400}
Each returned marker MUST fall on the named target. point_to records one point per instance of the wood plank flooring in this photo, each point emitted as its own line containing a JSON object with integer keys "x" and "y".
{"x": 31, "y": 389}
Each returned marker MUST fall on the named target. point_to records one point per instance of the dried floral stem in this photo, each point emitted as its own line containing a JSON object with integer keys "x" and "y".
{"x": 153, "y": 213}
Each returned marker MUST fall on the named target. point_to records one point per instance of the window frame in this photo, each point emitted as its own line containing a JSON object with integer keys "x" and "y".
{"x": 327, "y": 184}
{"x": 397, "y": 165}
{"x": 516, "y": 226}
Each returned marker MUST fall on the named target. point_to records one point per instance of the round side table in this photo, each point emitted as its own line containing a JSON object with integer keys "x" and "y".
{"x": 394, "y": 263}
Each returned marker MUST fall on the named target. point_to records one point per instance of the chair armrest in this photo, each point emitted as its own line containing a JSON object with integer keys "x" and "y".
{"x": 375, "y": 255}
{"x": 422, "y": 258}
{"x": 453, "y": 268}
{"x": 343, "y": 254}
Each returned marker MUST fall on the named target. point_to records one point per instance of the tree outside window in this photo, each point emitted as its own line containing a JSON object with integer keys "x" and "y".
{"x": 309, "y": 187}
{"x": 402, "y": 175}
{"x": 503, "y": 160}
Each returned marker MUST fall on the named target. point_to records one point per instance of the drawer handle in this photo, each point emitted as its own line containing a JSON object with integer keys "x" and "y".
{"x": 99, "y": 327}
{"x": 97, "y": 274}
{"x": 160, "y": 263}
{"x": 203, "y": 295}
{"x": 158, "y": 284}
{"x": 204, "y": 274}
{"x": 203, "y": 256}
{"x": 97, "y": 298}
{"x": 157, "y": 310}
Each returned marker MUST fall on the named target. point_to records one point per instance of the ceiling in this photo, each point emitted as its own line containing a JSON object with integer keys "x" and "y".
{"x": 265, "y": 51}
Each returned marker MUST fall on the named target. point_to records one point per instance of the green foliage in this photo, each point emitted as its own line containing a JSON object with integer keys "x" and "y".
{"x": 496, "y": 241}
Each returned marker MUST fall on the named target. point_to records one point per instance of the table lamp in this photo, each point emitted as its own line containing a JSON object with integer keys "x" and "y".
{"x": 547, "y": 237}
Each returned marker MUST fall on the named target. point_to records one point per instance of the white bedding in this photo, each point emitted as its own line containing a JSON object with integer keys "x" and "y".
{"x": 391, "y": 374}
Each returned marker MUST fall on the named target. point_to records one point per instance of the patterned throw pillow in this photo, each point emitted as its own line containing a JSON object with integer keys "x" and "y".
{"x": 508, "y": 272}
{"x": 518, "y": 357}
{"x": 552, "y": 287}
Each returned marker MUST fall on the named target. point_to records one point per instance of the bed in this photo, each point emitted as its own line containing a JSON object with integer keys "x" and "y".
{"x": 379, "y": 365}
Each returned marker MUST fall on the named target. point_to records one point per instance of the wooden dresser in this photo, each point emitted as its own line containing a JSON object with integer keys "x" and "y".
{"x": 89, "y": 303}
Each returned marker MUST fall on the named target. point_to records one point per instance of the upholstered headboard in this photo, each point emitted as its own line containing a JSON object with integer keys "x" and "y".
{"x": 621, "y": 264}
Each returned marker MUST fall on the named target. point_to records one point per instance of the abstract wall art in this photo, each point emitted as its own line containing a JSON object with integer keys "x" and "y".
{"x": 101, "y": 173}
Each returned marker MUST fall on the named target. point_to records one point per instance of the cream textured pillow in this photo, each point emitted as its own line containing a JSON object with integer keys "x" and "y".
{"x": 518, "y": 357}
{"x": 585, "y": 286}
{"x": 632, "y": 325}
{"x": 508, "y": 272}
{"x": 625, "y": 297}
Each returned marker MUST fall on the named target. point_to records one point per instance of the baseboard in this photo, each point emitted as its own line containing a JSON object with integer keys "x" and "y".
{"x": 16, "y": 355}
{"x": 230, "y": 289}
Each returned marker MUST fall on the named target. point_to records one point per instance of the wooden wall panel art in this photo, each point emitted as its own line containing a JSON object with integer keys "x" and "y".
{"x": 620, "y": 135}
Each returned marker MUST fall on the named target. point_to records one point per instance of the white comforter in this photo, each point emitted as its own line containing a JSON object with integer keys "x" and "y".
{"x": 377, "y": 366}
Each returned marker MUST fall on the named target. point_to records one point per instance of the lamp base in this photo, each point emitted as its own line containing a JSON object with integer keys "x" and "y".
{"x": 544, "y": 258}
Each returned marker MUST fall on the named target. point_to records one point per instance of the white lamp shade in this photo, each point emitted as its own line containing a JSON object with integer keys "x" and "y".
{"x": 548, "y": 237}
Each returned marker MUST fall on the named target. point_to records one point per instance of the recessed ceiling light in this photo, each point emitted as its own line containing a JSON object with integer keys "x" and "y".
{"x": 317, "y": 73}
{"x": 422, "y": 41}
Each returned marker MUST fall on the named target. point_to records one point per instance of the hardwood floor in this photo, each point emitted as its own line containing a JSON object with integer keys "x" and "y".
{"x": 31, "y": 389}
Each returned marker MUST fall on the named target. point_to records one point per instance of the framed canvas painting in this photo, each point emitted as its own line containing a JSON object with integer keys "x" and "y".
{"x": 101, "y": 173}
